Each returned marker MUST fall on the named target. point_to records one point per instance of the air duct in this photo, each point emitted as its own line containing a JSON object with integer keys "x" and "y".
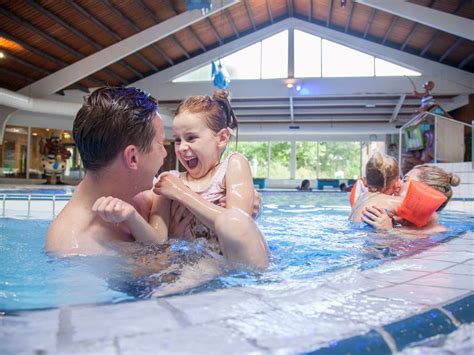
{"x": 25, "y": 103}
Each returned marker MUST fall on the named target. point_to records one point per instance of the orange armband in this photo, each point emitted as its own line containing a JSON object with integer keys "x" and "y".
{"x": 358, "y": 189}
{"x": 420, "y": 203}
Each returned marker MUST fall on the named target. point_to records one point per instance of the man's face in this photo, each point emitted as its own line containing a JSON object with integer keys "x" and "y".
{"x": 152, "y": 161}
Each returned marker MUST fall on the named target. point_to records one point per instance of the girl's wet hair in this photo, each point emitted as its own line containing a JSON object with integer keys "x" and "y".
{"x": 381, "y": 171}
{"x": 438, "y": 179}
{"x": 217, "y": 110}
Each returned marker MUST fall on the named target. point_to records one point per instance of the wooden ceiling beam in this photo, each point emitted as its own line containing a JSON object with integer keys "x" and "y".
{"x": 390, "y": 28}
{"x": 269, "y": 10}
{"x": 135, "y": 28}
{"x": 451, "y": 49}
{"x": 369, "y": 22}
{"x": 175, "y": 11}
{"x": 55, "y": 41}
{"x": 412, "y": 31}
{"x": 14, "y": 74}
{"x": 232, "y": 23}
{"x": 214, "y": 31}
{"x": 446, "y": 22}
{"x": 436, "y": 34}
{"x": 250, "y": 14}
{"x": 104, "y": 28}
{"x": 328, "y": 20}
{"x": 79, "y": 34}
{"x": 349, "y": 19}
{"x": 42, "y": 54}
{"x": 466, "y": 60}
{"x": 289, "y": 4}
{"x": 310, "y": 10}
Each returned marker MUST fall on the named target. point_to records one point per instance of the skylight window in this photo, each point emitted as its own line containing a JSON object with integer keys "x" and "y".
{"x": 341, "y": 61}
{"x": 384, "y": 68}
{"x": 307, "y": 55}
{"x": 313, "y": 58}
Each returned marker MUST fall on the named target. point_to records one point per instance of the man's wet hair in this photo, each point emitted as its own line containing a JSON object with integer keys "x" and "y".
{"x": 110, "y": 119}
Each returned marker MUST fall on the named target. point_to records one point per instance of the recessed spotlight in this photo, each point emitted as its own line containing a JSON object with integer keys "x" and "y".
{"x": 2, "y": 55}
{"x": 289, "y": 85}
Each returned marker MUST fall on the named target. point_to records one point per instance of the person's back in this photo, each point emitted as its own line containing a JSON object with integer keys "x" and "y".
{"x": 382, "y": 180}
{"x": 119, "y": 136}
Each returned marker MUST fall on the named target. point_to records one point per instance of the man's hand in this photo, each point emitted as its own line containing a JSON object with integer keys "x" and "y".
{"x": 113, "y": 210}
{"x": 180, "y": 217}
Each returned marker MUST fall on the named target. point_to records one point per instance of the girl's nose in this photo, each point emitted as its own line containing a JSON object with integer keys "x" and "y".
{"x": 183, "y": 147}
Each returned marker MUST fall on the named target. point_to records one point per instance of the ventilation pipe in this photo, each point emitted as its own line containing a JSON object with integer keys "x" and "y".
{"x": 25, "y": 103}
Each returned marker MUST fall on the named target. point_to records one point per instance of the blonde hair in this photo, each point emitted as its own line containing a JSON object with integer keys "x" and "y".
{"x": 438, "y": 179}
{"x": 381, "y": 171}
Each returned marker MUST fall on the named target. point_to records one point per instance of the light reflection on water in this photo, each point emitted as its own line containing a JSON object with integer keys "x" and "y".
{"x": 308, "y": 236}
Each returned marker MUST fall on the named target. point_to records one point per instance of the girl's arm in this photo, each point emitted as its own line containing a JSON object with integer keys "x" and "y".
{"x": 247, "y": 248}
{"x": 114, "y": 210}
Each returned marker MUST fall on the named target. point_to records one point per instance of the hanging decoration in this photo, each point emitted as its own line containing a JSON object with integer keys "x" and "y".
{"x": 220, "y": 76}
{"x": 204, "y": 5}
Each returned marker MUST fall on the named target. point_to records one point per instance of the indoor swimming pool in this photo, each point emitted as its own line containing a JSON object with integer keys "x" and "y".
{"x": 321, "y": 270}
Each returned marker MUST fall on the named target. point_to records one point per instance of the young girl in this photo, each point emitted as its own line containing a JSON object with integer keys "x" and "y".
{"x": 430, "y": 175}
{"x": 382, "y": 181}
{"x": 201, "y": 129}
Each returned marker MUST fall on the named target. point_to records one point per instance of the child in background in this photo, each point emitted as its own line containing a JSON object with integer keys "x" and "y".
{"x": 201, "y": 129}
{"x": 305, "y": 186}
{"x": 430, "y": 175}
{"x": 382, "y": 181}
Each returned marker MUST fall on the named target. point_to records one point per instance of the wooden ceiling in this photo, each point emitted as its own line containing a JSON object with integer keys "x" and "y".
{"x": 41, "y": 37}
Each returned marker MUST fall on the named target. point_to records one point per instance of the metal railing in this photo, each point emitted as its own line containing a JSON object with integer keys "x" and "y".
{"x": 30, "y": 198}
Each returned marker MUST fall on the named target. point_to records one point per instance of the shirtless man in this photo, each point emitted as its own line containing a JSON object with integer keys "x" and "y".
{"x": 120, "y": 137}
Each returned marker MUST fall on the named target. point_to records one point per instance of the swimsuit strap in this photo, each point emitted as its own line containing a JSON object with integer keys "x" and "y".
{"x": 218, "y": 177}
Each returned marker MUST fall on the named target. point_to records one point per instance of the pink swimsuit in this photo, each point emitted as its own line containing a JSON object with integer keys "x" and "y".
{"x": 214, "y": 192}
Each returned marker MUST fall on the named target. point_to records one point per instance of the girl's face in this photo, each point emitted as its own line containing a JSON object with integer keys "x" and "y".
{"x": 414, "y": 175}
{"x": 197, "y": 147}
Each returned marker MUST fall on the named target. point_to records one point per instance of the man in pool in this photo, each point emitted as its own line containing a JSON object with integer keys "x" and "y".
{"x": 120, "y": 137}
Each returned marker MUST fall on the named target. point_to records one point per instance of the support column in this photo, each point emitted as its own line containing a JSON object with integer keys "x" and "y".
{"x": 293, "y": 160}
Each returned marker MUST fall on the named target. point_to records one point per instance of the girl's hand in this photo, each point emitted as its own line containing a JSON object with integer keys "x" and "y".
{"x": 180, "y": 217}
{"x": 169, "y": 185}
{"x": 377, "y": 218}
{"x": 113, "y": 210}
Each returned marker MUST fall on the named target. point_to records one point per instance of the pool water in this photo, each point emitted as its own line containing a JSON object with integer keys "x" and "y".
{"x": 308, "y": 236}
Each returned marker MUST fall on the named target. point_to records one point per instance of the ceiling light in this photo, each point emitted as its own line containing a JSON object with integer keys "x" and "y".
{"x": 370, "y": 105}
{"x": 289, "y": 85}
{"x": 2, "y": 55}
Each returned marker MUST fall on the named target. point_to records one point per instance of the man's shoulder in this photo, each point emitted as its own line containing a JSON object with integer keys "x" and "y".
{"x": 69, "y": 232}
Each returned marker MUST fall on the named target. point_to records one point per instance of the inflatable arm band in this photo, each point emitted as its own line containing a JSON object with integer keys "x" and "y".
{"x": 420, "y": 203}
{"x": 358, "y": 189}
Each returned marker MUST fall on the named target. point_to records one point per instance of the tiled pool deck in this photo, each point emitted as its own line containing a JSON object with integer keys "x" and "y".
{"x": 377, "y": 311}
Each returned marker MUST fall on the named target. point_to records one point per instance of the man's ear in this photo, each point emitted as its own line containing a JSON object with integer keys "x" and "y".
{"x": 224, "y": 137}
{"x": 130, "y": 157}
